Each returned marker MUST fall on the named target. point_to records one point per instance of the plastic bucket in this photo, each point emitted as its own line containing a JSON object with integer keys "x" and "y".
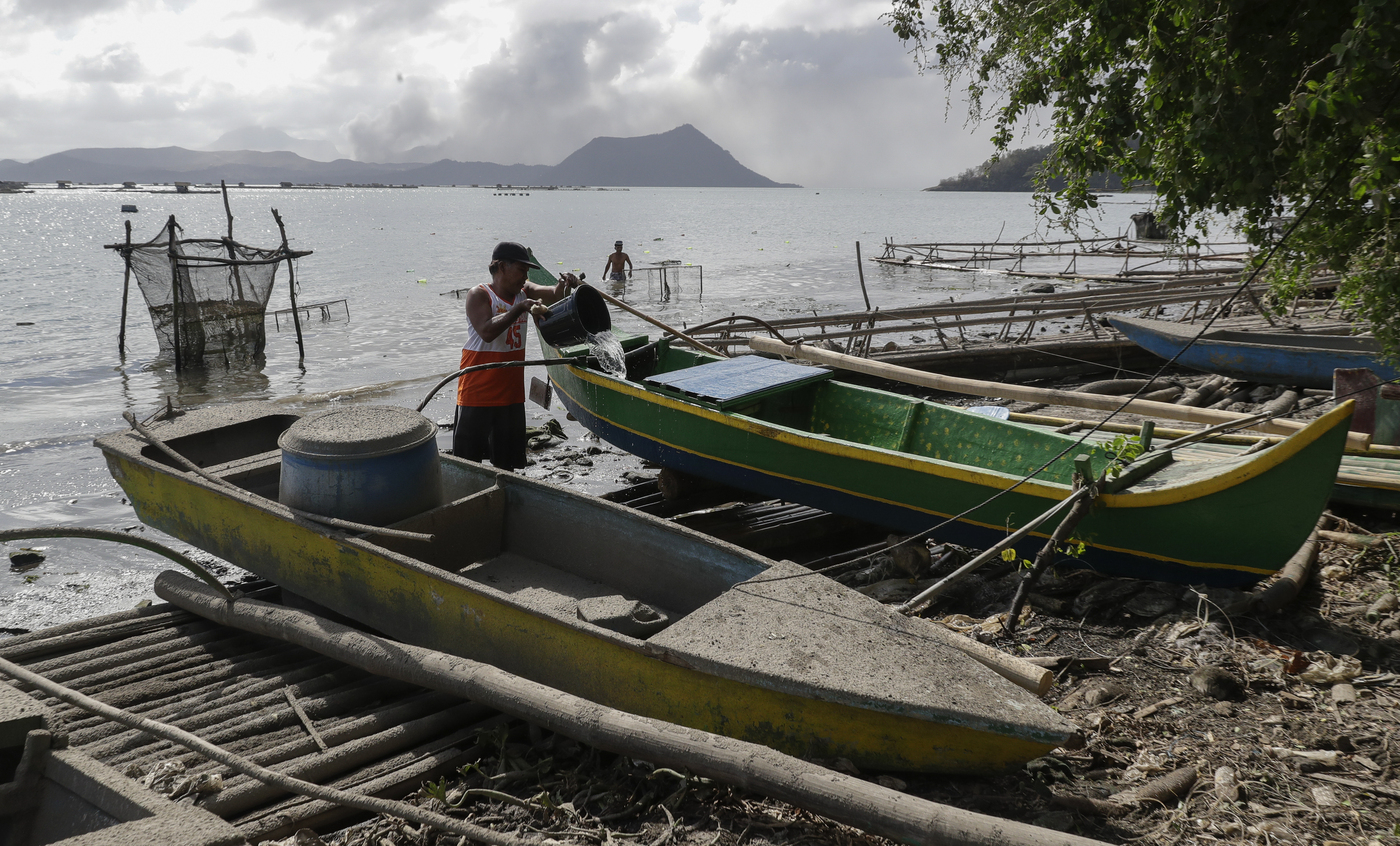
{"x": 571, "y": 320}
{"x": 370, "y": 464}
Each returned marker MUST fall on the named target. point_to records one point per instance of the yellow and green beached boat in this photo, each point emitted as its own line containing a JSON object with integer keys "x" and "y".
{"x": 598, "y": 600}
{"x": 794, "y": 432}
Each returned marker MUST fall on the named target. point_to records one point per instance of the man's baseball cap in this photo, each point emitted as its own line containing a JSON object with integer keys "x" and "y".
{"x": 512, "y": 251}
{"x": 617, "y": 243}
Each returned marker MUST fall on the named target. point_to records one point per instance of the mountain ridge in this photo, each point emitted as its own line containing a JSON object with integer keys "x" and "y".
{"x": 682, "y": 158}
{"x": 267, "y": 139}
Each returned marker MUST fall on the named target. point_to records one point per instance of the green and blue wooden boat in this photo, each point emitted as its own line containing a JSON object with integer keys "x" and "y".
{"x": 796, "y": 433}
{"x": 601, "y": 601}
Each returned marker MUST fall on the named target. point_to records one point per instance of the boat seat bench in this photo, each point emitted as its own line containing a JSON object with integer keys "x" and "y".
{"x": 259, "y": 474}
{"x": 549, "y": 590}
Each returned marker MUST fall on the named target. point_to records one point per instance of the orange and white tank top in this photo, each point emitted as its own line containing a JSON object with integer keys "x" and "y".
{"x": 503, "y": 385}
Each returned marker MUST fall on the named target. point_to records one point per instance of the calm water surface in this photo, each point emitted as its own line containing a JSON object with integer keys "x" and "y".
{"x": 393, "y": 254}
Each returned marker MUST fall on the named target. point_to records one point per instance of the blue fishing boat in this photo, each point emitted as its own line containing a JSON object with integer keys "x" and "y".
{"x": 1295, "y": 359}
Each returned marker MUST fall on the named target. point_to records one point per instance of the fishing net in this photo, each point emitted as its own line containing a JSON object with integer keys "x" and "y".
{"x": 207, "y": 297}
{"x": 671, "y": 280}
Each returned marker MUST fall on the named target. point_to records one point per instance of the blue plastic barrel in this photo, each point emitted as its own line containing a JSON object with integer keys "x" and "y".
{"x": 372, "y": 464}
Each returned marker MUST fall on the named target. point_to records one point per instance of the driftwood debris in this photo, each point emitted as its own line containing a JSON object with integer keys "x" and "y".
{"x": 1291, "y": 579}
{"x": 1167, "y": 790}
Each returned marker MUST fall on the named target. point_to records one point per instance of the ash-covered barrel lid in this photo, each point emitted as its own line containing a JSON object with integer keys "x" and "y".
{"x": 358, "y": 431}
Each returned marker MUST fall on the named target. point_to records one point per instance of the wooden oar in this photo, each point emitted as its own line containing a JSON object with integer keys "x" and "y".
{"x": 653, "y": 321}
{"x": 980, "y": 388}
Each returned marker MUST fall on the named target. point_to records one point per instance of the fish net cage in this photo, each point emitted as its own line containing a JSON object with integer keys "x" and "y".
{"x": 207, "y": 297}
{"x": 672, "y": 280}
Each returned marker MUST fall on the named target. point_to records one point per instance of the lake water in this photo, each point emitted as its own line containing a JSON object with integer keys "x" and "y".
{"x": 393, "y": 254}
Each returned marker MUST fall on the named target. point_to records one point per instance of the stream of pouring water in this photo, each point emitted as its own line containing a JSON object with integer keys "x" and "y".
{"x": 608, "y": 350}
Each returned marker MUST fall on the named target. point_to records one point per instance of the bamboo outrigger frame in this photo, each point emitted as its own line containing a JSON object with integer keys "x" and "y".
{"x": 949, "y": 322}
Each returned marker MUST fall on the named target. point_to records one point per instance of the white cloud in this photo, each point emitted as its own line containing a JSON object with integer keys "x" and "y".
{"x": 117, "y": 63}
{"x": 63, "y": 13}
{"x": 240, "y": 41}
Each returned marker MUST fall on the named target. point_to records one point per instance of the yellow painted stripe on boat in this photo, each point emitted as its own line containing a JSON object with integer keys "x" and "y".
{"x": 1257, "y": 465}
{"x": 1206, "y": 565}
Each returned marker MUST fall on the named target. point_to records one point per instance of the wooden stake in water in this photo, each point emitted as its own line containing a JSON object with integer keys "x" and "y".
{"x": 291, "y": 288}
{"x": 860, "y": 271}
{"x": 126, "y": 288}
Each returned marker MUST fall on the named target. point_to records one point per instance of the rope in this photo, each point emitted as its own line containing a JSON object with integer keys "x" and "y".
{"x": 118, "y": 537}
{"x": 539, "y": 362}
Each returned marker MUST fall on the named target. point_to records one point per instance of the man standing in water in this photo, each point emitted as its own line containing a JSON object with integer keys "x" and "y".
{"x": 491, "y": 403}
{"x": 613, "y": 270}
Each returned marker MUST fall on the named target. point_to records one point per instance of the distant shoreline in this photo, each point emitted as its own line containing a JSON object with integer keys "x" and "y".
{"x": 680, "y": 158}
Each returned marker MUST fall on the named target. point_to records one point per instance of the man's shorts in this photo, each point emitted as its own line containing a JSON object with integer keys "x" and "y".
{"x": 491, "y": 432}
{"x": 617, "y": 276}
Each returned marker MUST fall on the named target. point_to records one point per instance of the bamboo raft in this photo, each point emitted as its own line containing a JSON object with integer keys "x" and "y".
{"x": 281, "y": 705}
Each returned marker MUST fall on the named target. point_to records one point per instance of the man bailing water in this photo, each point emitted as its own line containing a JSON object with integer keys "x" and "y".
{"x": 490, "y": 422}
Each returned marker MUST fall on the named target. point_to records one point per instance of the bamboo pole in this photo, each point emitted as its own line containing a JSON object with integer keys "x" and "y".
{"x": 1037, "y": 680}
{"x": 920, "y": 602}
{"x": 228, "y": 242}
{"x": 981, "y": 388}
{"x": 1046, "y": 557}
{"x": 1005, "y": 321}
{"x": 1070, "y": 304}
{"x": 126, "y": 288}
{"x": 657, "y": 323}
{"x": 174, "y": 291}
{"x": 291, "y": 288}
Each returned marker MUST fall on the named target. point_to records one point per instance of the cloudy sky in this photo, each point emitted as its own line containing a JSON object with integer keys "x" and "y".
{"x": 816, "y": 92}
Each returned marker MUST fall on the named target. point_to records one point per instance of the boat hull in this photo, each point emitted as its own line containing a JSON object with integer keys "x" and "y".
{"x": 1231, "y": 531}
{"x": 375, "y": 582}
{"x": 1294, "y": 360}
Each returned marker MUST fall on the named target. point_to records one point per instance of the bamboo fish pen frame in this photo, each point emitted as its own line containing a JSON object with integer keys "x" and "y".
{"x": 858, "y": 329}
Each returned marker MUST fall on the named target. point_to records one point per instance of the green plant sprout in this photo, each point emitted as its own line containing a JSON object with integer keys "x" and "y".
{"x": 1122, "y": 450}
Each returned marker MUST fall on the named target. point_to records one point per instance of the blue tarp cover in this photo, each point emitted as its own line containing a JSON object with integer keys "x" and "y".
{"x": 732, "y": 379}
